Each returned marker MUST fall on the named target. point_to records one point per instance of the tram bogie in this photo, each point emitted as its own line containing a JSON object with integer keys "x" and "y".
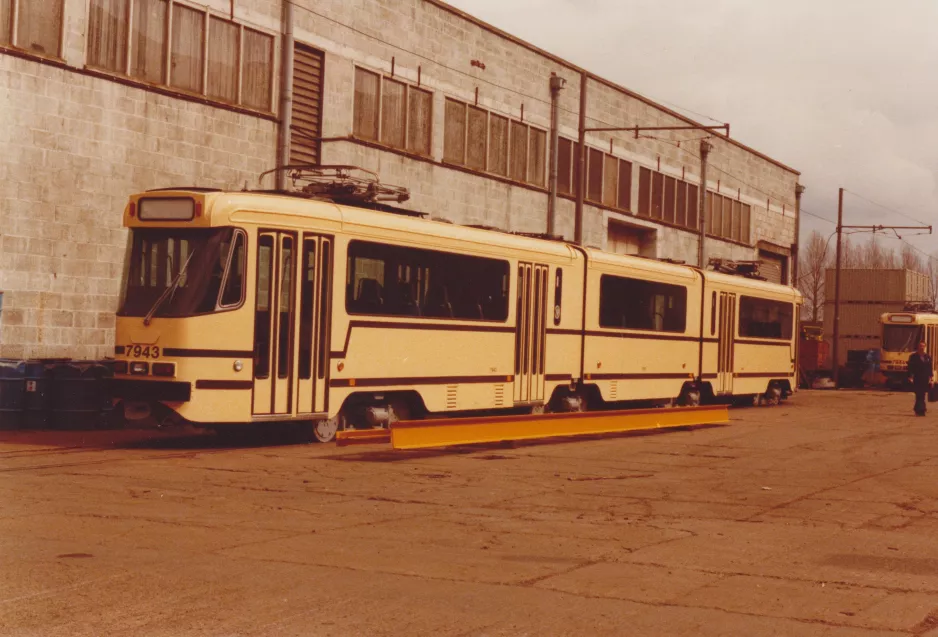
{"x": 263, "y": 308}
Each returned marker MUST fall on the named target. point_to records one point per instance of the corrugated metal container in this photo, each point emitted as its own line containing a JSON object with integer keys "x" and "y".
{"x": 847, "y": 344}
{"x": 864, "y": 284}
{"x": 859, "y": 318}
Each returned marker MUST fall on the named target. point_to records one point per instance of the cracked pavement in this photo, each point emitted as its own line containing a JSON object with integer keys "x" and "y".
{"x": 818, "y": 517}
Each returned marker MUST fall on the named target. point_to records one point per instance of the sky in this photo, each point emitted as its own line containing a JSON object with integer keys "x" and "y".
{"x": 844, "y": 91}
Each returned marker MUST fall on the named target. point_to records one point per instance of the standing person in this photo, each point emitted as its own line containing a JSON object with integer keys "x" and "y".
{"x": 920, "y": 373}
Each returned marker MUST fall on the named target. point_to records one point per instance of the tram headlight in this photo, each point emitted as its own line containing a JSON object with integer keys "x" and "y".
{"x": 238, "y": 366}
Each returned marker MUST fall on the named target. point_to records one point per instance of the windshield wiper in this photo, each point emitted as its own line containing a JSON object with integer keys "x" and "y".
{"x": 173, "y": 286}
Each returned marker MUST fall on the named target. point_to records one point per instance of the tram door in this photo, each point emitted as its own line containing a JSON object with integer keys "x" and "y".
{"x": 531, "y": 333}
{"x": 314, "y": 316}
{"x": 275, "y": 324}
{"x": 725, "y": 343}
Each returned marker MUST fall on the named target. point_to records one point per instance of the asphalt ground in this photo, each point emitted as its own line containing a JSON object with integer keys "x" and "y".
{"x": 818, "y": 517}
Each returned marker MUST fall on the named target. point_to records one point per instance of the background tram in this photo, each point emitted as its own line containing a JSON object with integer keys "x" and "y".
{"x": 246, "y": 307}
{"x": 901, "y": 334}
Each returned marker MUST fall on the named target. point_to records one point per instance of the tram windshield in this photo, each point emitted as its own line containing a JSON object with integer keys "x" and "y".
{"x": 901, "y": 338}
{"x": 182, "y": 272}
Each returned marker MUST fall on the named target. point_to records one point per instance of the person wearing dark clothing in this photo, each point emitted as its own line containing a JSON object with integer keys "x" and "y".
{"x": 920, "y": 374}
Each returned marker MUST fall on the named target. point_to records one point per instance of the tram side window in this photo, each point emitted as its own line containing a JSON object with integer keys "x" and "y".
{"x": 391, "y": 280}
{"x": 234, "y": 283}
{"x": 762, "y": 318}
{"x": 642, "y": 305}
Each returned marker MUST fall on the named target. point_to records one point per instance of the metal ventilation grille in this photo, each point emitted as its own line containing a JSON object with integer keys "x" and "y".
{"x": 613, "y": 390}
{"x": 451, "y": 402}
{"x": 306, "y": 126}
{"x": 499, "y": 395}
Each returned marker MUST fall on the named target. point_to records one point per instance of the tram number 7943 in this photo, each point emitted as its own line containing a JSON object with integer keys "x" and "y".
{"x": 143, "y": 351}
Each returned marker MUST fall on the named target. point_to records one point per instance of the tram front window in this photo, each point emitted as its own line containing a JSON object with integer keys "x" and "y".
{"x": 179, "y": 272}
{"x": 901, "y": 338}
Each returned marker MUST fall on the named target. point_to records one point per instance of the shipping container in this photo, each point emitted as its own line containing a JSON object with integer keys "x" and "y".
{"x": 851, "y": 344}
{"x": 859, "y": 318}
{"x": 865, "y": 284}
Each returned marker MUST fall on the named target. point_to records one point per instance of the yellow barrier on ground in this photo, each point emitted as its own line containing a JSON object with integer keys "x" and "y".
{"x": 444, "y": 432}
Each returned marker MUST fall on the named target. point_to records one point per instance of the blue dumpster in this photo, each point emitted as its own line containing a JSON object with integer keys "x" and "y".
{"x": 38, "y": 394}
{"x": 79, "y": 395}
{"x": 12, "y": 393}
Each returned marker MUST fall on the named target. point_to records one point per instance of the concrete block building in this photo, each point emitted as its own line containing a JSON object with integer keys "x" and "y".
{"x": 103, "y": 98}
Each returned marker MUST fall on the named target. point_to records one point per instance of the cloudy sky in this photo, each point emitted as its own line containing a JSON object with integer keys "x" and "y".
{"x": 845, "y": 91}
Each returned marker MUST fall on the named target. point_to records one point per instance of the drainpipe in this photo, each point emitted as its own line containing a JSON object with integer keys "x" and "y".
{"x": 556, "y": 85}
{"x": 705, "y": 148}
{"x": 581, "y": 167}
{"x": 286, "y": 93}
{"x": 796, "y": 247}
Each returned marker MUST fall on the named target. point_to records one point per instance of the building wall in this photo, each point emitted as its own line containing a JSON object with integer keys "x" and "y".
{"x": 76, "y": 142}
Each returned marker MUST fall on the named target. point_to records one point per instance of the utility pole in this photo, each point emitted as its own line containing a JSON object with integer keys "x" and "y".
{"x": 840, "y": 233}
{"x": 705, "y": 148}
{"x": 581, "y": 166}
{"x": 835, "y": 364}
{"x": 556, "y": 85}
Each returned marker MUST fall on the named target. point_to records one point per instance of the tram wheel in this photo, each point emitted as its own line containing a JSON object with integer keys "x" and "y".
{"x": 325, "y": 430}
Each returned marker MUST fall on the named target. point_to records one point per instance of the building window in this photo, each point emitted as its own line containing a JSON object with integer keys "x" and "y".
{"x": 608, "y": 178}
{"x": 148, "y": 41}
{"x": 38, "y": 25}
{"x": 762, "y": 318}
{"x": 223, "y": 60}
{"x": 208, "y": 55}
{"x": 668, "y": 199}
{"x": 728, "y": 218}
{"x": 477, "y": 139}
{"x": 537, "y": 152}
{"x": 185, "y": 70}
{"x": 419, "y": 117}
{"x": 636, "y": 304}
{"x": 392, "y": 112}
{"x": 108, "y": 19}
{"x": 518, "y": 163}
{"x": 366, "y": 104}
{"x": 565, "y": 159}
{"x": 390, "y": 280}
{"x": 454, "y": 132}
{"x": 498, "y": 144}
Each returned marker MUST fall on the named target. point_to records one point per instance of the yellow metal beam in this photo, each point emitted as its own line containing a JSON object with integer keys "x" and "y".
{"x": 362, "y": 437}
{"x": 419, "y": 434}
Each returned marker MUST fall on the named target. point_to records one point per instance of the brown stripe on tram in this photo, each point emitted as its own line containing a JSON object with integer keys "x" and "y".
{"x": 224, "y": 384}
{"x": 665, "y": 376}
{"x": 207, "y": 353}
{"x": 426, "y": 380}
{"x": 776, "y": 343}
{"x": 553, "y": 377}
{"x": 763, "y": 374}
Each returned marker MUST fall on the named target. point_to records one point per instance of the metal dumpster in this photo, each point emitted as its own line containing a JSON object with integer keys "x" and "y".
{"x": 79, "y": 395}
{"x": 38, "y": 393}
{"x": 12, "y": 393}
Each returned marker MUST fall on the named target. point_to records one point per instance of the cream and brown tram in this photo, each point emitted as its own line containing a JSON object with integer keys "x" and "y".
{"x": 901, "y": 334}
{"x": 246, "y": 307}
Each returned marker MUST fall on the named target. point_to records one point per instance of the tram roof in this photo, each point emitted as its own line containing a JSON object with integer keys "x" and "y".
{"x": 224, "y": 208}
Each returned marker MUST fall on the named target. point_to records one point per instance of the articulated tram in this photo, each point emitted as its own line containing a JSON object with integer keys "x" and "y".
{"x": 252, "y": 307}
{"x": 901, "y": 334}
